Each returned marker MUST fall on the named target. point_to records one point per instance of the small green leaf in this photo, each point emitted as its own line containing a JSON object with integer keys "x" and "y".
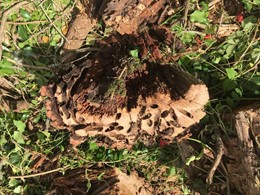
{"x": 46, "y": 133}
{"x": 3, "y": 140}
{"x": 125, "y": 152}
{"x": 22, "y": 31}
{"x": 18, "y": 136}
{"x": 6, "y": 68}
{"x": 187, "y": 37}
{"x": 13, "y": 182}
{"x": 230, "y": 101}
{"x": 255, "y": 80}
{"x": 231, "y": 73}
{"x": 18, "y": 190}
{"x": 14, "y": 158}
{"x": 25, "y": 14}
{"x": 239, "y": 92}
{"x": 36, "y": 119}
{"x": 249, "y": 23}
{"x": 19, "y": 125}
{"x": 229, "y": 51}
{"x": 229, "y": 85}
{"x": 93, "y": 146}
{"x": 172, "y": 171}
{"x": 217, "y": 59}
{"x": 199, "y": 16}
{"x": 134, "y": 53}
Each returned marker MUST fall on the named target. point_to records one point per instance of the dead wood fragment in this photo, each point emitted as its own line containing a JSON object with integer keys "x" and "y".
{"x": 121, "y": 101}
{"x": 127, "y": 16}
{"x": 10, "y": 98}
{"x": 186, "y": 11}
{"x": 244, "y": 150}
{"x": 77, "y": 32}
{"x": 238, "y": 155}
{"x": 143, "y": 115}
{"x": 113, "y": 181}
{"x": 217, "y": 160}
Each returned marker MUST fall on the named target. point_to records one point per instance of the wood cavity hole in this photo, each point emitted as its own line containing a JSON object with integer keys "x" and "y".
{"x": 98, "y": 128}
{"x": 154, "y": 106}
{"x": 165, "y": 113}
{"x": 114, "y": 124}
{"x": 147, "y": 116}
{"x": 119, "y": 128}
{"x": 168, "y": 131}
{"x": 173, "y": 115}
{"x": 142, "y": 110}
{"x": 186, "y": 113}
{"x": 149, "y": 122}
{"x": 175, "y": 123}
{"x": 118, "y": 116}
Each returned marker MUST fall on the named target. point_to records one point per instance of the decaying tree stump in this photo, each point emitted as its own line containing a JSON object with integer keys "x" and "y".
{"x": 120, "y": 99}
{"x": 243, "y": 170}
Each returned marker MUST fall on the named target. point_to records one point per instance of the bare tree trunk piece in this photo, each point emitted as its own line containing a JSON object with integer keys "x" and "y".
{"x": 244, "y": 171}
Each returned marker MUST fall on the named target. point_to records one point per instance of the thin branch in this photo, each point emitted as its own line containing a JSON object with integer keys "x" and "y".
{"x": 186, "y": 11}
{"x": 39, "y": 174}
{"x": 163, "y": 14}
{"x": 217, "y": 160}
{"x": 68, "y": 10}
{"x": 29, "y": 22}
{"x": 3, "y": 22}
{"x": 220, "y": 22}
{"x": 57, "y": 29}
{"x": 195, "y": 32}
{"x": 249, "y": 46}
{"x": 19, "y": 64}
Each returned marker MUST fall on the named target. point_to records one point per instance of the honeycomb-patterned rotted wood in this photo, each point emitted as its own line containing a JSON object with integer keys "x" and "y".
{"x": 155, "y": 101}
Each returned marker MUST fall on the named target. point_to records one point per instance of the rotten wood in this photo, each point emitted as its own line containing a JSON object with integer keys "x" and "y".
{"x": 112, "y": 181}
{"x": 244, "y": 150}
{"x": 120, "y": 101}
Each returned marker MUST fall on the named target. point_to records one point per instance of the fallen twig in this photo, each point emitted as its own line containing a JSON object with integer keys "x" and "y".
{"x": 38, "y": 174}
{"x": 19, "y": 64}
{"x": 52, "y": 23}
{"x": 66, "y": 11}
{"x": 186, "y": 11}
{"x": 217, "y": 160}
{"x": 28, "y": 22}
{"x": 4, "y": 19}
{"x": 163, "y": 14}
